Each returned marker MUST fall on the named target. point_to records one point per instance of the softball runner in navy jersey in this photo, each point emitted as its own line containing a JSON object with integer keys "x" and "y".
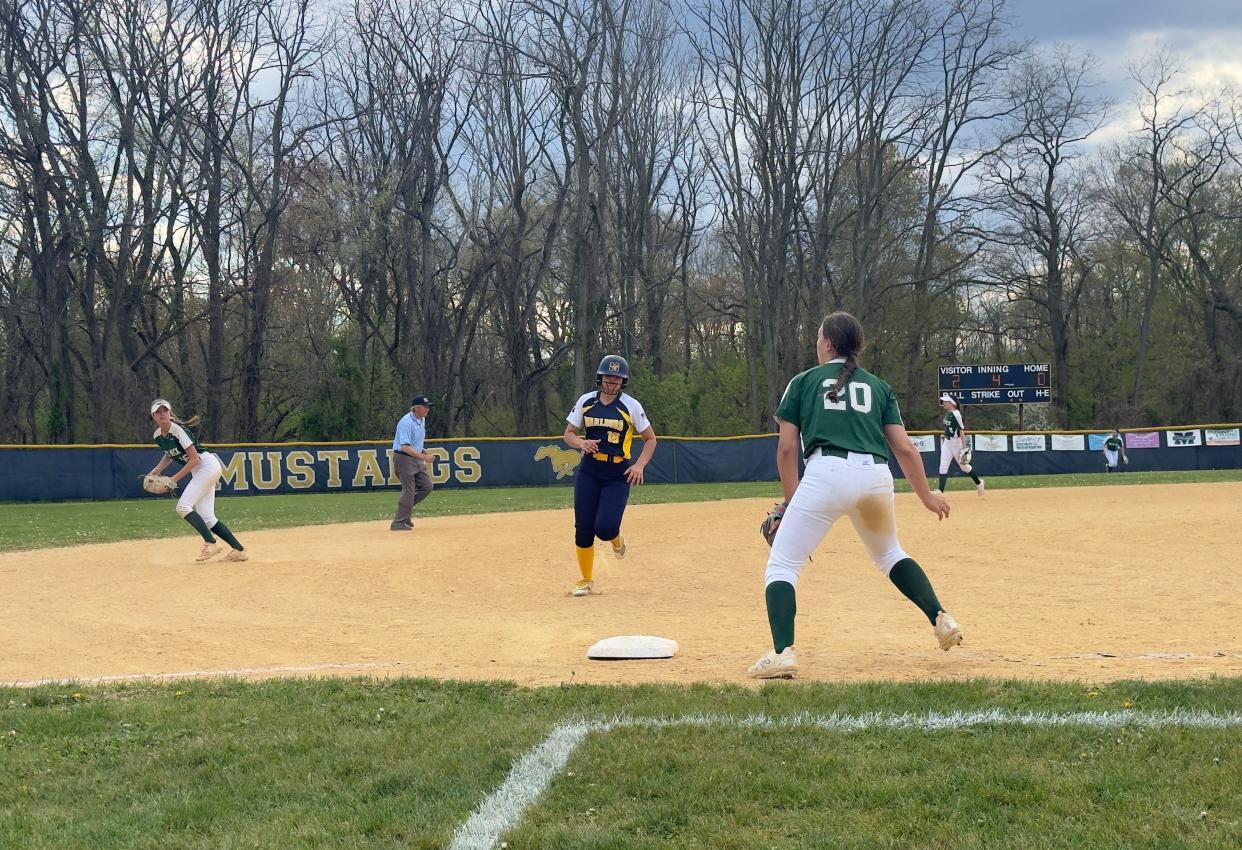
{"x": 197, "y": 504}
{"x": 844, "y": 422}
{"x": 602, "y": 426}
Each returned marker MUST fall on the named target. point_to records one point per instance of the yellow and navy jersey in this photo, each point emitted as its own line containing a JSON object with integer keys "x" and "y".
{"x": 854, "y": 422}
{"x": 952, "y": 424}
{"x": 614, "y": 425}
{"x": 176, "y": 441}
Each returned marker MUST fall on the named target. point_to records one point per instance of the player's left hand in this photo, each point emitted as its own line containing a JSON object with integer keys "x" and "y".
{"x": 634, "y": 474}
{"x": 1126, "y": 460}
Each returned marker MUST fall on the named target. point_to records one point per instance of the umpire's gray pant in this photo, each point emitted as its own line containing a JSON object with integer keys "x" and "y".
{"x": 415, "y": 486}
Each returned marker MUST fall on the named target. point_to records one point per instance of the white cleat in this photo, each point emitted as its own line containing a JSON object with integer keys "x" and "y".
{"x": 948, "y": 632}
{"x": 979, "y": 487}
{"x": 236, "y": 555}
{"x": 583, "y": 588}
{"x": 618, "y": 546}
{"x": 775, "y": 666}
{"x": 209, "y": 551}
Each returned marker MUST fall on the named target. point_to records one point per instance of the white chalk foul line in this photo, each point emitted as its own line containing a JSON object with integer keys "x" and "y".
{"x": 530, "y": 776}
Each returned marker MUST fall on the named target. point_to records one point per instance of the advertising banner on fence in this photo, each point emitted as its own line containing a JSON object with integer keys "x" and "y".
{"x": 1181, "y": 439}
{"x": 1067, "y": 442}
{"x": 1222, "y": 436}
{"x": 1095, "y": 442}
{"x": 1141, "y": 440}
{"x": 991, "y": 442}
{"x": 924, "y": 442}
{"x": 1029, "y": 443}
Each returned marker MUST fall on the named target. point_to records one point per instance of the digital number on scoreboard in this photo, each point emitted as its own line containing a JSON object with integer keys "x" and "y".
{"x": 1004, "y": 383}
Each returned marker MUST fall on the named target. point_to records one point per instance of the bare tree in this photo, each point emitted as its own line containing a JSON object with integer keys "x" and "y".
{"x": 1042, "y": 198}
{"x": 1150, "y": 174}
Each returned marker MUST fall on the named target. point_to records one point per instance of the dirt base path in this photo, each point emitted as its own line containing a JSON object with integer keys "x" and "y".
{"x": 1092, "y": 584}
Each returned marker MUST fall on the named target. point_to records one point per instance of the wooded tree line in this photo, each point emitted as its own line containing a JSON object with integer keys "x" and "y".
{"x": 290, "y": 216}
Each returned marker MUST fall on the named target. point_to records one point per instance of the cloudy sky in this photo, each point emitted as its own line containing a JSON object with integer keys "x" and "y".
{"x": 1206, "y": 34}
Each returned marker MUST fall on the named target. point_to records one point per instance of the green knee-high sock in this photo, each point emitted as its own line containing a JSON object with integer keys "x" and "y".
{"x": 201, "y": 527}
{"x": 942, "y": 480}
{"x": 913, "y": 583}
{"x": 223, "y": 531}
{"x": 782, "y": 606}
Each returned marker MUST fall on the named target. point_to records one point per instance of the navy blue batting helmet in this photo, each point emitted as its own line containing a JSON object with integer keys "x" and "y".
{"x": 613, "y": 365}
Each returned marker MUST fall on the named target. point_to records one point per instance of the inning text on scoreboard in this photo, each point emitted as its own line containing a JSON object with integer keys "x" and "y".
{"x": 1003, "y": 383}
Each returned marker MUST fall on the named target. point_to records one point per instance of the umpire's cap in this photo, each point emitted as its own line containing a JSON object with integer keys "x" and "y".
{"x": 420, "y": 399}
{"x": 613, "y": 365}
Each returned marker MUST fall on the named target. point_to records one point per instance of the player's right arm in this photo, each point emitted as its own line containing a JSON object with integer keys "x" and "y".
{"x": 575, "y": 441}
{"x": 911, "y": 463}
{"x": 161, "y": 466}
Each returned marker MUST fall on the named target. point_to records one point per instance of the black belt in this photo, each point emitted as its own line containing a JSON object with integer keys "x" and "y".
{"x": 833, "y": 451}
{"x": 600, "y": 456}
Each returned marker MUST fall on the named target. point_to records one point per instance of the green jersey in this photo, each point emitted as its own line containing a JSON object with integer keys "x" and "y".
{"x": 176, "y": 441}
{"x": 952, "y": 424}
{"x": 854, "y": 422}
{"x": 1113, "y": 444}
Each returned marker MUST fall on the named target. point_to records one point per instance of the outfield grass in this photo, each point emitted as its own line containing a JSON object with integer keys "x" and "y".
{"x": 37, "y": 525}
{"x": 401, "y": 763}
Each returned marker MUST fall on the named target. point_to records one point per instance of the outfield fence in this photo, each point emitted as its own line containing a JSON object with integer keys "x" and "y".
{"x": 51, "y": 473}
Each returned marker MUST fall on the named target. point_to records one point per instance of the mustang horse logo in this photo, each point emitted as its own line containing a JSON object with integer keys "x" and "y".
{"x": 563, "y": 460}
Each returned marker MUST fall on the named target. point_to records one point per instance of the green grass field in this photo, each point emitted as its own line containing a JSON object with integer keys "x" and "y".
{"x": 404, "y": 763}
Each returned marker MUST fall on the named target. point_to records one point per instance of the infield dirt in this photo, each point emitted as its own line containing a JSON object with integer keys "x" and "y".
{"x": 1092, "y": 584}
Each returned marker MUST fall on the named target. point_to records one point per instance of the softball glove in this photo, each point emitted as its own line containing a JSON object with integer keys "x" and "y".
{"x": 772, "y": 522}
{"x": 158, "y": 484}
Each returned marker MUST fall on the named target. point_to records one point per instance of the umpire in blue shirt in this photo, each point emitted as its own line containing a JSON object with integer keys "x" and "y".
{"x": 411, "y": 462}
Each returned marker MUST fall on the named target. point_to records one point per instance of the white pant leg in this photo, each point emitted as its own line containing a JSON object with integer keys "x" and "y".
{"x": 827, "y": 490}
{"x": 950, "y": 450}
{"x": 200, "y": 494}
{"x": 875, "y": 519}
{"x": 1110, "y": 458}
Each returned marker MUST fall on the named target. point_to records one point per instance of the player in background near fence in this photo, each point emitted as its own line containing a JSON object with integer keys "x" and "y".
{"x": 844, "y": 422}
{"x": 953, "y": 444}
{"x": 602, "y": 425}
{"x": 1113, "y": 444}
{"x": 410, "y": 459}
{"x": 197, "y": 504}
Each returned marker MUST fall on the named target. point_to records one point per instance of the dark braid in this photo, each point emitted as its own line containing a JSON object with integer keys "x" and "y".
{"x": 846, "y": 335}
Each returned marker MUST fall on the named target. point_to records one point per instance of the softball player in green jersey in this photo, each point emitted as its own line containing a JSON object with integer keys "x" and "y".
{"x": 953, "y": 444}
{"x": 844, "y": 422}
{"x": 1112, "y": 445}
{"x": 197, "y": 504}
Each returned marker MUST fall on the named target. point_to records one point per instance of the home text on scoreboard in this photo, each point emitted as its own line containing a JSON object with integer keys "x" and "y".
{"x": 1003, "y": 383}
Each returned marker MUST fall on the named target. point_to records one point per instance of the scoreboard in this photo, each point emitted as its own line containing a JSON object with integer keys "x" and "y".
{"x": 1005, "y": 383}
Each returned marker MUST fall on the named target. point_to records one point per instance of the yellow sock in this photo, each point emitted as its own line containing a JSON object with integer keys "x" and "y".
{"x": 586, "y": 561}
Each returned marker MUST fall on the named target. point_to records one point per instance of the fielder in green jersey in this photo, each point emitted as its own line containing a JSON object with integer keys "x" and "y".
{"x": 845, "y": 423}
{"x": 1114, "y": 445}
{"x": 197, "y": 504}
{"x": 953, "y": 448}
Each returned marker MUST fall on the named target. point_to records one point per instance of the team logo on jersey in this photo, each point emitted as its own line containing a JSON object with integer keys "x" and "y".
{"x": 563, "y": 461}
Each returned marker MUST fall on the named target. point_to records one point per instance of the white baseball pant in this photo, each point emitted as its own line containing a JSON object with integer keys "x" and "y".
{"x": 200, "y": 494}
{"x": 950, "y": 450}
{"x": 832, "y": 487}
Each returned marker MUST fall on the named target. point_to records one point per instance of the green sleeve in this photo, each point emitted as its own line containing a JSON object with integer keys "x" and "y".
{"x": 790, "y": 408}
